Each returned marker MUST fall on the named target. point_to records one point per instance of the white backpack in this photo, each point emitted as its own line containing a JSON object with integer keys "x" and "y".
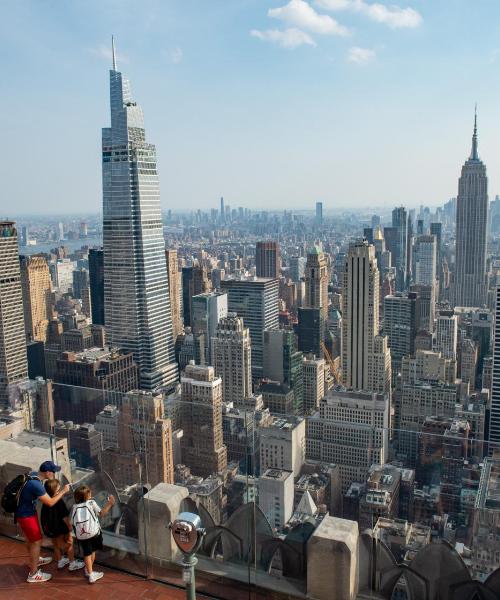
{"x": 85, "y": 522}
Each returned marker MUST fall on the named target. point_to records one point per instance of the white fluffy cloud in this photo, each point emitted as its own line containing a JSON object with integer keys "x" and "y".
{"x": 301, "y": 14}
{"x": 391, "y": 15}
{"x": 289, "y": 38}
{"x": 360, "y": 56}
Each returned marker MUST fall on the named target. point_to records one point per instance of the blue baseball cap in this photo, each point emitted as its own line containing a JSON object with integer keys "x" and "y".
{"x": 49, "y": 467}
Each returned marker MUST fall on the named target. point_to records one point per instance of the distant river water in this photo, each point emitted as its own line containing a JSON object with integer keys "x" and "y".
{"x": 72, "y": 245}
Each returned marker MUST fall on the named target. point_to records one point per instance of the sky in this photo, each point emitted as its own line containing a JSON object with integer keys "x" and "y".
{"x": 272, "y": 104}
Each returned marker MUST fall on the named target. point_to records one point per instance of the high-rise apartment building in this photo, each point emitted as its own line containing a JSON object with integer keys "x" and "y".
{"x": 255, "y": 299}
{"x": 35, "y": 282}
{"x": 232, "y": 359}
{"x": 207, "y": 310}
{"x": 316, "y": 276}
{"x": 174, "y": 291}
{"x": 471, "y": 231}
{"x": 267, "y": 259}
{"x": 351, "y": 429}
{"x": 96, "y": 279}
{"x": 360, "y": 320}
{"x": 202, "y": 444}
{"x": 136, "y": 297}
{"x": 399, "y": 249}
{"x": 13, "y": 361}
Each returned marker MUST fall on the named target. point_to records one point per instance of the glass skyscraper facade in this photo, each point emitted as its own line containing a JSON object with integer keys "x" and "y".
{"x": 136, "y": 299}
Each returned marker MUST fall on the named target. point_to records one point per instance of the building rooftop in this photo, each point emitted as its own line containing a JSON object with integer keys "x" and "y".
{"x": 488, "y": 496}
{"x": 276, "y": 474}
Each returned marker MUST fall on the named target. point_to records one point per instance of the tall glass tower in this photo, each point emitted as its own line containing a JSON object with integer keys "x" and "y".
{"x": 472, "y": 225}
{"x": 136, "y": 299}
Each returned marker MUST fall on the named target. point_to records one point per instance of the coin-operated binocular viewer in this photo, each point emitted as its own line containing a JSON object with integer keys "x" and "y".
{"x": 188, "y": 535}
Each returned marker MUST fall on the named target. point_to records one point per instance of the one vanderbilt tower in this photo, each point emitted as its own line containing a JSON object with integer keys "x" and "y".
{"x": 472, "y": 223}
{"x": 136, "y": 300}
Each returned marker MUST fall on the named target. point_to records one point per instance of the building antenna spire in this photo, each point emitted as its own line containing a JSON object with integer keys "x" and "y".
{"x": 473, "y": 154}
{"x": 113, "y": 51}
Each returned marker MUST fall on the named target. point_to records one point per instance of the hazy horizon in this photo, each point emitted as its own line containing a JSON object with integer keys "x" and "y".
{"x": 271, "y": 104}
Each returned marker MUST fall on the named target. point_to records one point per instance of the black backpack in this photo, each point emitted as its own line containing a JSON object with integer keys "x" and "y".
{"x": 12, "y": 492}
{"x": 50, "y": 521}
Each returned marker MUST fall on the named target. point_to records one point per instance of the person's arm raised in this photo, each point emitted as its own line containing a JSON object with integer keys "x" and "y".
{"x": 110, "y": 503}
{"x": 50, "y": 501}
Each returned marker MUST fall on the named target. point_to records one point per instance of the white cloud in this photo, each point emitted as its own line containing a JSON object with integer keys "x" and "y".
{"x": 301, "y": 14}
{"x": 360, "y": 56}
{"x": 106, "y": 53}
{"x": 176, "y": 55}
{"x": 392, "y": 15}
{"x": 289, "y": 38}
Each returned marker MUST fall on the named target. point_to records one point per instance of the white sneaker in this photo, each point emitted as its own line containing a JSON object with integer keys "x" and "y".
{"x": 94, "y": 576}
{"x": 44, "y": 560}
{"x": 39, "y": 577}
{"x": 76, "y": 564}
{"x": 62, "y": 562}
{"x": 86, "y": 572}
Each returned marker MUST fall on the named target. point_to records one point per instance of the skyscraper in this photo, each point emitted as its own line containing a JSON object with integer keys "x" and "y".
{"x": 136, "y": 298}
{"x": 232, "y": 358}
{"x": 425, "y": 260}
{"x": 267, "y": 259}
{"x": 256, "y": 301}
{"x": 174, "y": 291}
{"x": 400, "y": 326}
{"x": 399, "y": 258}
{"x": 207, "y": 310}
{"x": 35, "y": 281}
{"x": 316, "y": 276}
{"x": 202, "y": 444}
{"x": 360, "y": 316}
{"x": 471, "y": 233}
{"x": 80, "y": 282}
{"x": 13, "y": 361}
{"x": 96, "y": 277}
{"x": 283, "y": 362}
{"x": 494, "y": 436}
{"x": 319, "y": 213}
{"x": 144, "y": 450}
{"x": 350, "y": 429}
{"x": 447, "y": 334}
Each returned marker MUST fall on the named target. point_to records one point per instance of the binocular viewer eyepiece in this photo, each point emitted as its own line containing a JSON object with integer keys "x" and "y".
{"x": 187, "y": 532}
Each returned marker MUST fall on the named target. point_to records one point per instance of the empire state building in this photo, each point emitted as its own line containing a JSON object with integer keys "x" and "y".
{"x": 136, "y": 299}
{"x": 472, "y": 220}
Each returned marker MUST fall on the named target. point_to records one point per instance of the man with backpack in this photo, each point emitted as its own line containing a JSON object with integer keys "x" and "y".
{"x": 20, "y": 497}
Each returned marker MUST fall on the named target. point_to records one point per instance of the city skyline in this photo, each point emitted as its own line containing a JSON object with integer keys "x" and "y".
{"x": 239, "y": 95}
